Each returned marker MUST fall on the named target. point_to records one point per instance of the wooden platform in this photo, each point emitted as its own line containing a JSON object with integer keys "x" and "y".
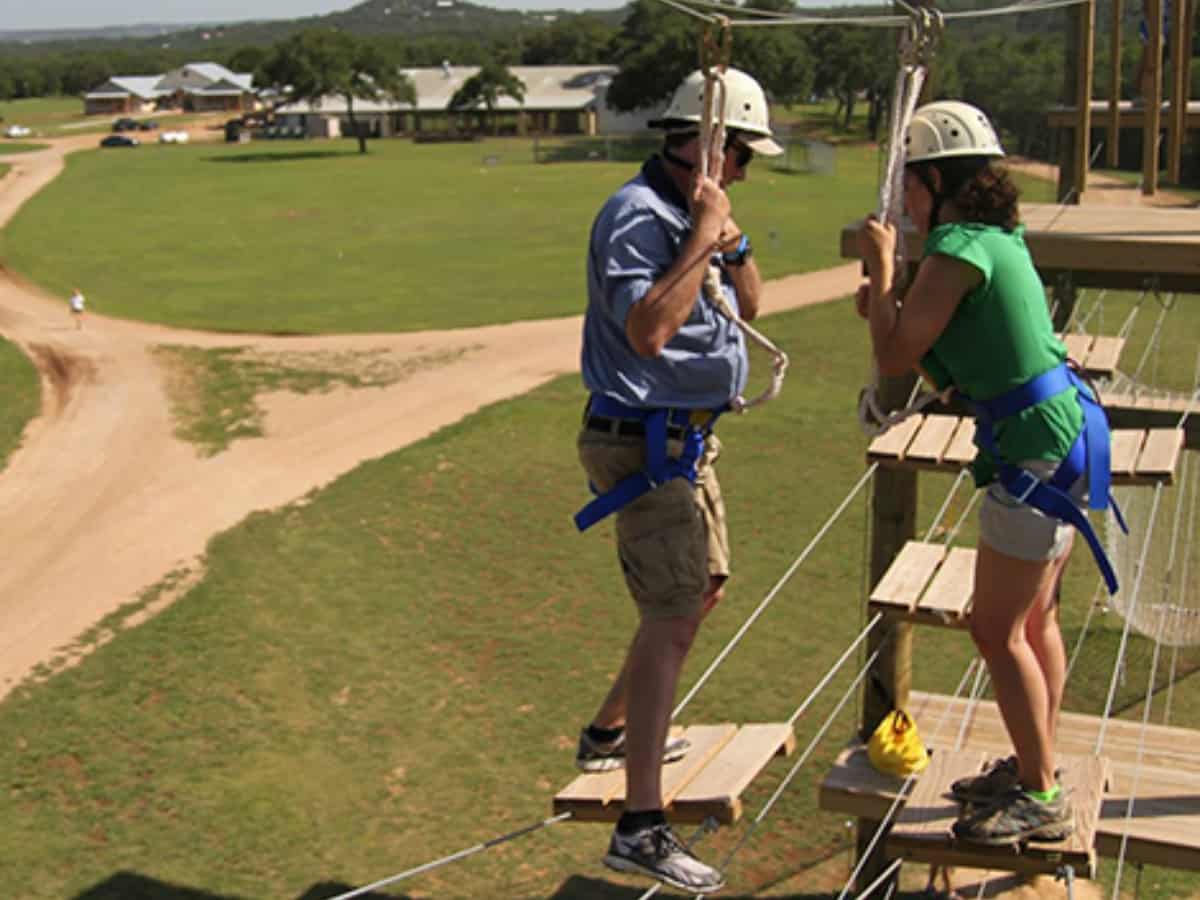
{"x": 709, "y": 781}
{"x": 944, "y": 443}
{"x": 1096, "y": 354}
{"x": 1164, "y": 829}
{"x": 922, "y": 831}
{"x": 1100, "y": 246}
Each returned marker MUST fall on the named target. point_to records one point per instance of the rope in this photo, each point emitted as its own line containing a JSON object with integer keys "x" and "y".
{"x": 454, "y": 857}
{"x": 1137, "y": 587}
{"x": 770, "y": 19}
{"x": 1137, "y": 769}
{"x": 791, "y": 570}
{"x": 1184, "y": 581}
{"x": 937, "y": 520}
{"x": 715, "y": 54}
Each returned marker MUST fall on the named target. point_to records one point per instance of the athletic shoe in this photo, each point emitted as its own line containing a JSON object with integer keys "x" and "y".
{"x": 998, "y": 778}
{"x": 656, "y": 851}
{"x": 604, "y": 756}
{"x": 1015, "y": 817}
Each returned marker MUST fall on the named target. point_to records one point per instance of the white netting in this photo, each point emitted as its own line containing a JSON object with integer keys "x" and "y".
{"x": 1169, "y": 601}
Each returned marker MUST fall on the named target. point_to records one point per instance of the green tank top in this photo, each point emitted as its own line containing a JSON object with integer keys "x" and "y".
{"x": 999, "y": 338}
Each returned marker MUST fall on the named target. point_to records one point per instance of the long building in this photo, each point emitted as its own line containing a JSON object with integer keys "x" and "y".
{"x": 558, "y": 100}
{"x": 198, "y": 87}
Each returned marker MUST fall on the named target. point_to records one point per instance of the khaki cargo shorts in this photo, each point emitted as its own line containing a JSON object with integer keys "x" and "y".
{"x": 671, "y": 539}
{"x": 1017, "y": 529}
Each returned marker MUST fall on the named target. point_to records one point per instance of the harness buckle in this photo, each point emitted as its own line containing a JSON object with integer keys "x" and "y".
{"x": 1025, "y": 483}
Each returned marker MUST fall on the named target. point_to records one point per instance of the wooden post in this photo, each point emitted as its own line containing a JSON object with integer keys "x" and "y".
{"x": 1113, "y": 153}
{"x": 1180, "y": 66}
{"x": 893, "y": 522}
{"x": 1153, "y": 98}
{"x": 1073, "y": 155}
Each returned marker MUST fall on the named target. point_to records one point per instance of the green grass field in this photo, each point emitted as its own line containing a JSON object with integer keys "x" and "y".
{"x": 52, "y": 116}
{"x": 7, "y": 148}
{"x": 315, "y": 238}
{"x": 396, "y": 668}
{"x": 20, "y": 389}
{"x": 4, "y": 167}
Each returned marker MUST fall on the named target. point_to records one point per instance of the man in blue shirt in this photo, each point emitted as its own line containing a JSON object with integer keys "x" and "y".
{"x": 652, "y": 343}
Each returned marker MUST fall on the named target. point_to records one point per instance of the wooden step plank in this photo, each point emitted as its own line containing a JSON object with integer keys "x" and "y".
{"x": 717, "y": 790}
{"x": 1104, "y": 354}
{"x": 854, "y": 787}
{"x": 962, "y": 447}
{"x": 1160, "y": 453}
{"x": 907, "y": 576}
{"x": 600, "y": 796}
{"x": 1165, "y": 827}
{"x": 1126, "y": 445}
{"x": 923, "y": 830}
{"x": 1078, "y": 345}
{"x": 893, "y": 443}
{"x": 933, "y": 438}
{"x": 949, "y": 596}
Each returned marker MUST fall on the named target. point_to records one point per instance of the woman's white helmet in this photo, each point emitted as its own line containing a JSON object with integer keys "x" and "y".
{"x": 745, "y": 109}
{"x": 949, "y": 128}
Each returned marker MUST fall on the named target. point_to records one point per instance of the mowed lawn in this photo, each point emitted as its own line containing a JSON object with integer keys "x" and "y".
{"x": 396, "y": 668}
{"x": 312, "y": 237}
{"x": 20, "y": 392}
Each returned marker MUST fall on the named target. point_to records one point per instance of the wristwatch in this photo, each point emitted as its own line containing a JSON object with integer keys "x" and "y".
{"x": 739, "y": 255}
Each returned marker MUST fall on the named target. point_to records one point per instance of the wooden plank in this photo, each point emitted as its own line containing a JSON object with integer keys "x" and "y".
{"x": 1126, "y": 445}
{"x": 707, "y": 741}
{"x": 1103, "y": 357}
{"x": 933, "y": 438}
{"x": 949, "y": 594}
{"x": 853, "y": 786}
{"x": 1078, "y": 346}
{"x": 717, "y": 790}
{"x": 962, "y": 447}
{"x": 923, "y": 830}
{"x": 907, "y": 576}
{"x": 893, "y": 442}
{"x": 1164, "y": 829}
{"x": 1160, "y": 455}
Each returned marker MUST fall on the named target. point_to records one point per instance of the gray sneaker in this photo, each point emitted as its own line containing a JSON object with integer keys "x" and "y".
{"x": 997, "y": 779}
{"x": 658, "y": 853}
{"x": 1015, "y": 817}
{"x": 597, "y": 756}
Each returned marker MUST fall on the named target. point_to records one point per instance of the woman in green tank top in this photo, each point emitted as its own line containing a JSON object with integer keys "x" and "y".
{"x": 975, "y": 318}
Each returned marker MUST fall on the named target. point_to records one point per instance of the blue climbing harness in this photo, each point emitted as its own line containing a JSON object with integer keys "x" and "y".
{"x": 1089, "y": 453}
{"x": 660, "y": 468}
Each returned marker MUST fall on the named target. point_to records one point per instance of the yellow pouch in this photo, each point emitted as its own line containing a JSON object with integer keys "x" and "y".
{"x": 895, "y": 747}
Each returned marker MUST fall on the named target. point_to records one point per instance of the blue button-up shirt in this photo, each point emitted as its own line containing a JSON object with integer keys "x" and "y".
{"x": 636, "y": 237}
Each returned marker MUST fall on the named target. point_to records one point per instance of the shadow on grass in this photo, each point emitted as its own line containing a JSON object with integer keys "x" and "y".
{"x": 283, "y": 156}
{"x": 132, "y": 886}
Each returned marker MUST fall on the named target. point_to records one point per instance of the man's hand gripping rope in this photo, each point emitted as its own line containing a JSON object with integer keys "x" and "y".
{"x": 715, "y": 54}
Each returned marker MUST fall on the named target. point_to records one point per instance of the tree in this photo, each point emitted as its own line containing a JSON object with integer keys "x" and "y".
{"x": 318, "y": 63}
{"x": 575, "y": 41}
{"x": 655, "y": 49}
{"x": 487, "y": 86}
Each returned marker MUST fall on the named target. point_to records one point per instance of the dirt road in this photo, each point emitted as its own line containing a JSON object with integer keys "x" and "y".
{"x": 102, "y": 500}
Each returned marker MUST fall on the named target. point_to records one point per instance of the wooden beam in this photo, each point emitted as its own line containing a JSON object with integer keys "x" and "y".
{"x": 1152, "y": 97}
{"x": 1180, "y": 77}
{"x": 1114, "y": 87}
{"x": 1086, "y": 24}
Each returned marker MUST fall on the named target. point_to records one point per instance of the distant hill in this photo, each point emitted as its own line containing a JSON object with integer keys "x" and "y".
{"x": 372, "y": 18}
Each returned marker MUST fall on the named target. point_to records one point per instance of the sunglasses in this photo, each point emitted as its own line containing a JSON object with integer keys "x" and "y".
{"x": 744, "y": 155}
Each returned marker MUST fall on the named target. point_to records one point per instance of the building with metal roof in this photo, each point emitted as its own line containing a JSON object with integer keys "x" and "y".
{"x": 202, "y": 86}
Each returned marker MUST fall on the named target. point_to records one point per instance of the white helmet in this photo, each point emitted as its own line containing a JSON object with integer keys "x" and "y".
{"x": 949, "y": 128}
{"x": 745, "y": 109}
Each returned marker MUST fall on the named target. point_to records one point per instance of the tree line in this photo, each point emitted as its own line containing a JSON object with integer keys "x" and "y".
{"x": 1014, "y": 67}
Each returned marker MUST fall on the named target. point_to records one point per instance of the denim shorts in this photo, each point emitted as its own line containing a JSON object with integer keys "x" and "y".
{"x": 1017, "y": 529}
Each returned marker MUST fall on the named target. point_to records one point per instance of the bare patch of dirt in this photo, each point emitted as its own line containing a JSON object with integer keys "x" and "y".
{"x": 62, "y": 371}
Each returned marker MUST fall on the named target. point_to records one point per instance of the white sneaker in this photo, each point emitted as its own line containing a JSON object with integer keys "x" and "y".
{"x": 594, "y": 756}
{"x": 656, "y": 851}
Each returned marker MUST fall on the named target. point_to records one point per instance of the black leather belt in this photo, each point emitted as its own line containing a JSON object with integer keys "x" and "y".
{"x": 627, "y": 427}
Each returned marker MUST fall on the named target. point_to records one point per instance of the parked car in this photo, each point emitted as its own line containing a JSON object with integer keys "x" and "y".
{"x": 17, "y": 131}
{"x": 125, "y": 125}
{"x": 119, "y": 140}
{"x": 147, "y": 125}
{"x": 173, "y": 137}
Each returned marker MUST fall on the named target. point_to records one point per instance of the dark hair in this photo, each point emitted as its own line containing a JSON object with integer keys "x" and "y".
{"x": 676, "y": 139}
{"x": 981, "y": 189}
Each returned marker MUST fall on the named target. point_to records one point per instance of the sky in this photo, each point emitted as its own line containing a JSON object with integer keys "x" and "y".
{"x": 18, "y": 15}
